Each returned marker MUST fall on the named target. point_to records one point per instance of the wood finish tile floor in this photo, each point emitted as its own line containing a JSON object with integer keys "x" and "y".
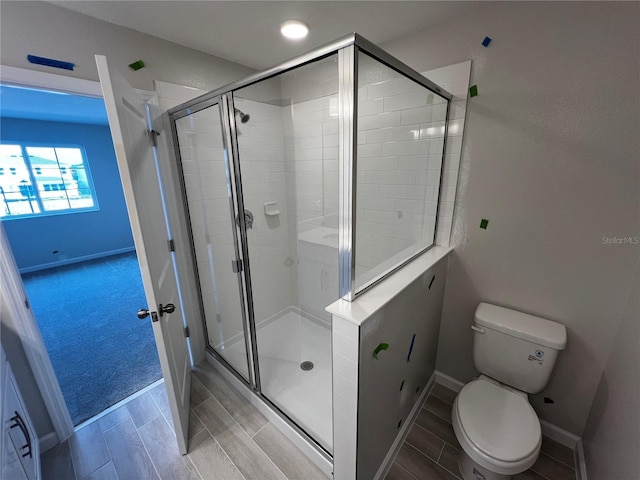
{"x": 229, "y": 439}
{"x": 430, "y": 451}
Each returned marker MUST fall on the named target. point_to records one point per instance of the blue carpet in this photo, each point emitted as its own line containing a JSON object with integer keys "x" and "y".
{"x": 100, "y": 351}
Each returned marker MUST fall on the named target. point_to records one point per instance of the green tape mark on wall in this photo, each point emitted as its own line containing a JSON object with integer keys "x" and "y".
{"x": 137, "y": 65}
{"x": 379, "y": 348}
{"x": 473, "y": 91}
{"x": 483, "y": 223}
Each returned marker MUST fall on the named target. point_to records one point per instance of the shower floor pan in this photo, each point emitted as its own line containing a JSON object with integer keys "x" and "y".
{"x": 285, "y": 341}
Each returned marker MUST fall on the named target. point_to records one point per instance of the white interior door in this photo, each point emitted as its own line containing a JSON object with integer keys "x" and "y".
{"x": 127, "y": 113}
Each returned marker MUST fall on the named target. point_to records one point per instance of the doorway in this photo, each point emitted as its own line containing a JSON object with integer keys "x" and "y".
{"x": 86, "y": 314}
{"x": 78, "y": 264}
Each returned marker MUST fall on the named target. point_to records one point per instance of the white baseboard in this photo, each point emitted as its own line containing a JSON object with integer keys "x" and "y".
{"x": 287, "y": 430}
{"x": 69, "y": 261}
{"x": 570, "y": 440}
{"x": 581, "y": 463}
{"x": 449, "y": 382}
{"x": 404, "y": 431}
{"x": 48, "y": 441}
{"x": 560, "y": 435}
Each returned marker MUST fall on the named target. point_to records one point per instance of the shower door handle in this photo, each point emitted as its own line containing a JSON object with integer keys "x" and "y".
{"x": 248, "y": 219}
{"x": 236, "y": 266}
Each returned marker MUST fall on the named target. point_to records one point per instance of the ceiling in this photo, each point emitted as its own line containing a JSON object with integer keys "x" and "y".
{"x": 245, "y": 32}
{"x": 248, "y": 32}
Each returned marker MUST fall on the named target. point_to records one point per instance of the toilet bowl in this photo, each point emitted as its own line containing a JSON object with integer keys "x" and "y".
{"x": 492, "y": 418}
{"x": 498, "y": 430}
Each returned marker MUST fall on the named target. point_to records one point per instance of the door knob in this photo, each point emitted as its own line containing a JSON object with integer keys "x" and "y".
{"x": 168, "y": 308}
{"x": 143, "y": 313}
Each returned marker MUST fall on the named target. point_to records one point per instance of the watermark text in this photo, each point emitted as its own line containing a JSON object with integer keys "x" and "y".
{"x": 631, "y": 240}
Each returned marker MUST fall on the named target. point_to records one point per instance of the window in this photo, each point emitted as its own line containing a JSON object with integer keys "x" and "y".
{"x": 44, "y": 180}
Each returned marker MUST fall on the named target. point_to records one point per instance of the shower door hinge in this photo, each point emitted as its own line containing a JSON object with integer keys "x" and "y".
{"x": 186, "y": 332}
{"x": 153, "y": 135}
{"x": 172, "y": 245}
{"x": 236, "y": 266}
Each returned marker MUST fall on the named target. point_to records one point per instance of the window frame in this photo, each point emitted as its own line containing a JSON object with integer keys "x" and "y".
{"x": 24, "y": 145}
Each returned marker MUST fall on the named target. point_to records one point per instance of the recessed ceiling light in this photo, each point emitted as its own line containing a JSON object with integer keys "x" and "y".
{"x": 294, "y": 29}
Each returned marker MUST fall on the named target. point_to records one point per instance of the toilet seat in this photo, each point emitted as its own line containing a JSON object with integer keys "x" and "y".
{"x": 496, "y": 427}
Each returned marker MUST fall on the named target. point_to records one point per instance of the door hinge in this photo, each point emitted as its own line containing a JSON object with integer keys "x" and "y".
{"x": 153, "y": 135}
{"x": 172, "y": 245}
{"x": 186, "y": 332}
{"x": 236, "y": 266}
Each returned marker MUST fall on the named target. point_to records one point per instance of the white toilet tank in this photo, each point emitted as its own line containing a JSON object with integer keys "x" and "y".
{"x": 515, "y": 348}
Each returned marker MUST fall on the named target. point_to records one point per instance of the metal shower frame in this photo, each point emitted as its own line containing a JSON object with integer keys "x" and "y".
{"x": 347, "y": 49}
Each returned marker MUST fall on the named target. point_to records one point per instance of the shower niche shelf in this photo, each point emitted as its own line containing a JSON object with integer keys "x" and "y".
{"x": 271, "y": 209}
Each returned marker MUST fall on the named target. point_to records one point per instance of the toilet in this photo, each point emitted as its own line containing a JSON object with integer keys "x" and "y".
{"x": 492, "y": 418}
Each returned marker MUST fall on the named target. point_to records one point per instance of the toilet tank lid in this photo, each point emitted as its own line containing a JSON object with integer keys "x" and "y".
{"x": 522, "y": 325}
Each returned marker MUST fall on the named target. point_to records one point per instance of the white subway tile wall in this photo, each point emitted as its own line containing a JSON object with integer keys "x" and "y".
{"x": 399, "y": 158}
{"x": 396, "y": 138}
{"x": 261, "y": 148}
{"x": 311, "y": 139}
{"x": 455, "y": 80}
{"x": 298, "y": 126}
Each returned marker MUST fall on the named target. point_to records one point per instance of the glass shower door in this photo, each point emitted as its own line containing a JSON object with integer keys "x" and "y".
{"x": 287, "y": 137}
{"x": 209, "y": 194}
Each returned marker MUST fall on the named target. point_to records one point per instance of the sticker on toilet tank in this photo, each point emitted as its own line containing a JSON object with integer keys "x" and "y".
{"x": 537, "y": 357}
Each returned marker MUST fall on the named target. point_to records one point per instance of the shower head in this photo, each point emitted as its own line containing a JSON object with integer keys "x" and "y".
{"x": 244, "y": 117}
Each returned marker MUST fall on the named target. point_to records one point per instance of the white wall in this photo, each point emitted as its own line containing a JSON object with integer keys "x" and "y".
{"x": 612, "y": 435}
{"x": 550, "y": 158}
{"x": 46, "y": 30}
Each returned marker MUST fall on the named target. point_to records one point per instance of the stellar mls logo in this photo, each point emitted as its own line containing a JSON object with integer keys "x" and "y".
{"x": 621, "y": 240}
{"x": 539, "y": 353}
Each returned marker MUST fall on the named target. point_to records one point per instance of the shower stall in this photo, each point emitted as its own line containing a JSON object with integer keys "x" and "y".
{"x": 304, "y": 184}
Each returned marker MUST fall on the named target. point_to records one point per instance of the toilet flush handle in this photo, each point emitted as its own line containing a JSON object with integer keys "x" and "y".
{"x": 477, "y": 329}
